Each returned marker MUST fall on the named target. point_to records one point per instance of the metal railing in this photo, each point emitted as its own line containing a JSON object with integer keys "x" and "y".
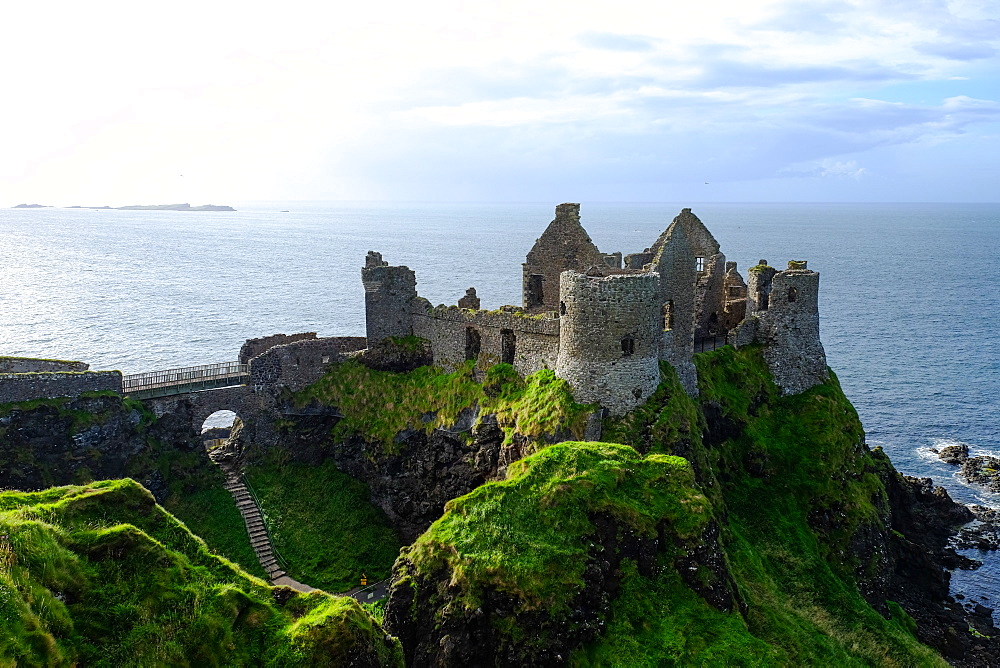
{"x": 186, "y": 379}
{"x": 263, "y": 518}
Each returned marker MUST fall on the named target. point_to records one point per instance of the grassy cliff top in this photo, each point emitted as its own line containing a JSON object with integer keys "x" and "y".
{"x": 527, "y": 535}
{"x": 378, "y": 405}
{"x": 100, "y": 575}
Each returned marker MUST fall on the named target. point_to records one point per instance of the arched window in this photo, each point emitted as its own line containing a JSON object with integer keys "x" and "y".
{"x": 793, "y": 294}
{"x": 628, "y": 345}
{"x": 562, "y": 308}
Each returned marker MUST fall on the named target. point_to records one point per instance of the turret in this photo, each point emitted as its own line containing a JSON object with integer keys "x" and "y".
{"x": 787, "y": 323}
{"x": 389, "y": 295}
{"x": 609, "y": 338}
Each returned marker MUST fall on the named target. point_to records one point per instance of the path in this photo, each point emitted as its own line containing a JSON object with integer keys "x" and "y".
{"x": 260, "y": 541}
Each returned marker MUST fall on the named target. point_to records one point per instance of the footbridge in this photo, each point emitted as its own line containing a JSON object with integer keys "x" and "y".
{"x": 155, "y": 384}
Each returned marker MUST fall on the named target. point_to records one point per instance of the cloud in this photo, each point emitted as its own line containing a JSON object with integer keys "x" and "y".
{"x": 828, "y": 168}
{"x": 957, "y": 51}
{"x": 616, "y": 42}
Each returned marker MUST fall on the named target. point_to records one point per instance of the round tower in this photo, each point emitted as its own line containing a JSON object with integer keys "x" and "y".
{"x": 609, "y": 338}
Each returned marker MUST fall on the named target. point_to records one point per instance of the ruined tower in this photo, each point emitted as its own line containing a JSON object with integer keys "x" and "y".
{"x": 389, "y": 295}
{"x": 784, "y": 317}
{"x": 609, "y": 338}
{"x": 564, "y": 245}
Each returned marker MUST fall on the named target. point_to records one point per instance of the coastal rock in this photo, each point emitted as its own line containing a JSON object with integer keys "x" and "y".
{"x": 71, "y": 441}
{"x": 954, "y": 454}
{"x": 983, "y": 470}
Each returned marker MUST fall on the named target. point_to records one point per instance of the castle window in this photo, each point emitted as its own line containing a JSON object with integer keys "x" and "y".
{"x": 473, "y": 343}
{"x": 628, "y": 345}
{"x": 508, "y": 343}
{"x": 699, "y": 264}
{"x": 533, "y": 293}
{"x": 762, "y": 299}
{"x": 734, "y": 291}
{"x": 562, "y": 308}
{"x": 668, "y": 316}
{"x": 792, "y": 294}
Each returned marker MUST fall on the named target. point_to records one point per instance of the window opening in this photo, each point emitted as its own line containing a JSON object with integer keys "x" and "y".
{"x": 508, "y": 343}
{"x": 535, "y": 297}
{"x": 793, "y": 294}
{"x": 473, "y": 343}
{"x": 628, "y": 345}
{"x": 699, "y": 264}
{"x": 668, "y": 316}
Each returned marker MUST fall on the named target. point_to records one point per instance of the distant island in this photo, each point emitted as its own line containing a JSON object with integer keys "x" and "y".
{"x": 161, "y": 207}
{"x": 31, "y": 206}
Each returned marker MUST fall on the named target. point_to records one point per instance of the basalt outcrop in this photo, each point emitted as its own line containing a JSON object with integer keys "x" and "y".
{"x": 94, "y": 437}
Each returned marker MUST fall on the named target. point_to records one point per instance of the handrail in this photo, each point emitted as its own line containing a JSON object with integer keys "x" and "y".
{"x": 253, "y": 495}
{"x": 183, "y": 375}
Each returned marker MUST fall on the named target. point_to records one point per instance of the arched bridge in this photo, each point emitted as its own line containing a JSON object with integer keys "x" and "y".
{"x": 155, "y": 384}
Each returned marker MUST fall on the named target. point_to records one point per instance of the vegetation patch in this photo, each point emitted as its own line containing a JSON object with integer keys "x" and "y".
{"x": 324, "y": 526}
{"x": 100, "y": 575}
{"x": 379, "y": 405}
{"x": 526, "y": 535}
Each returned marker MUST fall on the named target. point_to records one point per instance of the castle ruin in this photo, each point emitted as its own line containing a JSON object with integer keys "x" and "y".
{"x": 604, "y": 321}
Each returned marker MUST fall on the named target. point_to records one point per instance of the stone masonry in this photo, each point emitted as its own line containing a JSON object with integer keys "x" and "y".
{"x": 586, "y": 314}
{"x": 50, "y": 385}
{"x": 32, "y": 365}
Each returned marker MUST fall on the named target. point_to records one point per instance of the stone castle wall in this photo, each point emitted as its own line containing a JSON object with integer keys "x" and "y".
{"x": 531, "y": 343}
{"x": 675, "y": 263}
{"x": 564, "y": 245}
{"x": 389, "y": 296}
{"x": 788, "y": 328}
{"x": 33, "y": 365}
{"x": 254, "y": 347}
{"x": 609, "y": 344}
{"x": 49, "y": 385}
{"x": 295, "y": 365}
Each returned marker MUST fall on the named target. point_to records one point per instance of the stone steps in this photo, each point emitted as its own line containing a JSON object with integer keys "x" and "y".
{"x": 254, "y": 521}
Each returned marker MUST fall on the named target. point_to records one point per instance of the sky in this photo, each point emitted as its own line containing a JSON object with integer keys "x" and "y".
{"x": 117, "y": 103}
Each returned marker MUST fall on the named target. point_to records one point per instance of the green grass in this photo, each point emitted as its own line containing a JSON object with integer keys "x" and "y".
{"x": 379, "y": 405}
{"x": 99, "y": 575}
{"x": 323, "y": 524}
{"x": 525, "y": 535}
{"x": 210, "y": 513}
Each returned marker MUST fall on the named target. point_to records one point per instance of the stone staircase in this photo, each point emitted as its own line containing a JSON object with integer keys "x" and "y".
{"x": 255, "y": 525}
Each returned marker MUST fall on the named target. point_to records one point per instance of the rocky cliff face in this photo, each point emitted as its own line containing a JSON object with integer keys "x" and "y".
{"x": 808, "y": 546}
{"x": 74, "y": 440}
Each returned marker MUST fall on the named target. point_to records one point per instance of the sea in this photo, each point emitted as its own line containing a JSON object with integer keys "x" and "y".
{"x": 909, "y": 293}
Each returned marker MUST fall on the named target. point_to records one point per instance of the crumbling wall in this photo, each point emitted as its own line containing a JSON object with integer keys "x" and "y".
{"x": 389, "y": 296}
{"x": 675, "y": 264}
{"x": 298, "y": 364}
{"x": 254, "y": 347}
{"x": 457, "y": 335}
{"x": 564, "y": 245}
{"x": 610, "y": 338}
{"x": 49, "y": 385}
{"x": 33, "y": 365}
{"x": 734, "y": 295}
{"x": 788, "y": 328}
